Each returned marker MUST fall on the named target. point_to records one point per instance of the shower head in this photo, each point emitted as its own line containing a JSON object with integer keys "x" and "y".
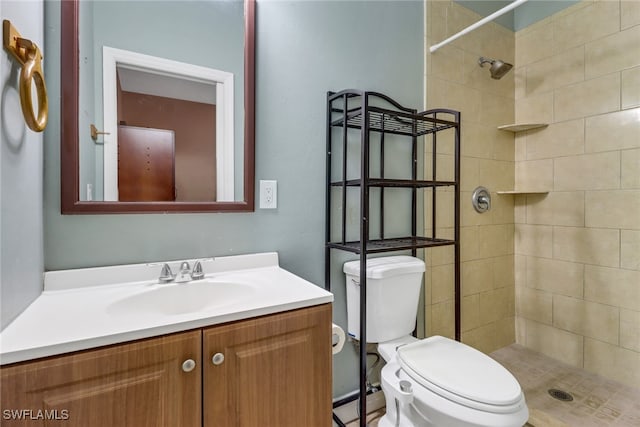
{"x": 498, "y": 67}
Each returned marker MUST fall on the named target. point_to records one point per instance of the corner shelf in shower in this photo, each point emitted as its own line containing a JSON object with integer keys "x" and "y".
{"x": 354, "y": 119}
{"x": 521, "y": 127}
{"x": 523, "y": 192}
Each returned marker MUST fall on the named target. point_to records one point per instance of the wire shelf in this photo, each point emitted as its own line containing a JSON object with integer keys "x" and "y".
{"x": 395, "y": 122}
{"x": 391, "y": 244}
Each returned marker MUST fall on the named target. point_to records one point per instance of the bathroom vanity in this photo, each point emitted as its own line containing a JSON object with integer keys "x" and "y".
{"x": 265, "y": 360}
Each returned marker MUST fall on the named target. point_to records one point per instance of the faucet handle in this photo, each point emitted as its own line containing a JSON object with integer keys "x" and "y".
{"x": 197, "y": 272}
{"x": 185, "y": 267}
{"x": 166, "y": 275}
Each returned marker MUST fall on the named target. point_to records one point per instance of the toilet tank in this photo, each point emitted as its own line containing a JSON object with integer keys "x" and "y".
{"x": 393, "y": 289}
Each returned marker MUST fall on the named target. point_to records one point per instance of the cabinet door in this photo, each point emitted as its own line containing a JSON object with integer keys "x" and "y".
{"x": 276, "y": 371}
{"x": 131, "y": 385}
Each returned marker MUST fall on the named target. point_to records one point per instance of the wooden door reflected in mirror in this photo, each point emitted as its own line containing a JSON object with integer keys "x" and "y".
{"x": 187, "y": 197}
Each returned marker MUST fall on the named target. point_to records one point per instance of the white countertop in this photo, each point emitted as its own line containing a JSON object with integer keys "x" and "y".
{"x": 78, "y": 308}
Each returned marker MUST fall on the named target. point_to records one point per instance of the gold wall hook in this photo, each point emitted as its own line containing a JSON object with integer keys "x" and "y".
{"x": 95, "y": 132}
{"x": 28, "y": 55}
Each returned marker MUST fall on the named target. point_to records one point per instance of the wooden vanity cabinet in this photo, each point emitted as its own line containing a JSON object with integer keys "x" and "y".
{"x": 273, "y": 370}
{"x": 139, "y": 384}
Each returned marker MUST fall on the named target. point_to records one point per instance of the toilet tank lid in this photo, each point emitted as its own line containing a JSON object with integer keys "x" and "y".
{"x": 382, "y": 267}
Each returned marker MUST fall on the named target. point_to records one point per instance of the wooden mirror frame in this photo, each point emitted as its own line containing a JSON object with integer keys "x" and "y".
{"x": 69, "y": 136}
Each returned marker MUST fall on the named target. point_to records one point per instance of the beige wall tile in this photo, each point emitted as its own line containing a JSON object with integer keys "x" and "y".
{"x": 630, "y": 249}
{"x": 503, "y": 272}
{"x": 497, "y": 110}
{"x": 553, "y": 342}
{"x": 630, "y": 329}
{"x": 520, "y": 81}
{"x": 540, "y": 76}
{"x": 447, "y": 64}
{"x": 494, "y": 305}
{"x": 556, "y": 71}
{"x": 476, "y": 276}
{"x": 505, "y": 332}
{"x": 442, "y": 319}
{"x": 534, "y": 44}
{"x": 629, "y": 13}
{"x": 469, "y": 244}
{"x": 613, "y": 53}
{"x": 587, "y": 172}
{"x": 585, "y": 24}
{"x": 534, "y": 240}
{"x": 587, "y": 245}
{"x": 502, "y": 209}
{"x": 556, "y": 140}
{"x": 482, "y": 338}
{"x": 441, "y": 255}
{"x": 586, "y": 318}
{"x": 521, "y": 330}
{"x": 534, "y": 175}
{"x": 630, "y": 164}
{"x": 559, "y": 277}
{"x": 611, "y": 361}
{"x": 496, "y": 174}
{"x": 520, "y": 269}
{"x": 595, "y": 96}
{"x": 557, "y": 208}
{"x": 613, "y": 209}
{"x": 495, "y": 240}
{"x": 477, "y": 140}
{"x": 470, "y": 312}
{"x": 613, "y": 131}
{"x": 631, "y": 87}
{"x": 455, "y": 96}
{"x": 535, "y": 109}
{"x": 613, "y": 286}
{"x": 519, "y": 208}
{"x": 469, "y": 173}
{"x": 437, "y": 19}
{"x": 442, "y": 283}
{"x": 569, "y": 68}
{"x": 534, "y": 305}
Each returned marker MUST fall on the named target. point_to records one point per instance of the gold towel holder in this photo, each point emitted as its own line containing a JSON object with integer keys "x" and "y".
{"x": 30, "y": 58}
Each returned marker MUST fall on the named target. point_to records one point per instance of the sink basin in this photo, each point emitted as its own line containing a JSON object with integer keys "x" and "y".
{"x": 181, "y": 298}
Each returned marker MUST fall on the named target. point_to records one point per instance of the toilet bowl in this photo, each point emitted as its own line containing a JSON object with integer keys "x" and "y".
{"x": 435, "y": 381}
{"x": 441, "y": 382}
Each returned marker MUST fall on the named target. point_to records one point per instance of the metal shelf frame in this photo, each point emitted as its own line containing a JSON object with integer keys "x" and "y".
{"x": 375, "y": 113}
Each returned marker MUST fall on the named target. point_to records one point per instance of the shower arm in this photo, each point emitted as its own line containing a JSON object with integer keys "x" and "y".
{"x": 478, "y": 24}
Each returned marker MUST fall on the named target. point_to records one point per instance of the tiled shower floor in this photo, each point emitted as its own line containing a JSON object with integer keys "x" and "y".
{"x": 597, "y": 401}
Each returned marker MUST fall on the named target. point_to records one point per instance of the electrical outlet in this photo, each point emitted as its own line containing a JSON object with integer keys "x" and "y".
{"x": 268, "y": 194}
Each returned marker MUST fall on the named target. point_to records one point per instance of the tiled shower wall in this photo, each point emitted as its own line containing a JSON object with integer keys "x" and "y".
{"x": 578, "y": 247}
{"x": 455, "y": 80}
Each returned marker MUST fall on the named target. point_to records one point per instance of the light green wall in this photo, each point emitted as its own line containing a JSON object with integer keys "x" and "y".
{"x": 304, "y": 49}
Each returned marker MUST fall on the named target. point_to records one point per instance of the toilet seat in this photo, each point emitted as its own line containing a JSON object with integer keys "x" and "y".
{"x": 461, "y": 374}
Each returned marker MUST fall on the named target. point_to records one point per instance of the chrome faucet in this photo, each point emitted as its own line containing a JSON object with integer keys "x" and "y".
{"x": 186, "y": 274}
{"x": 197, "y": 273}
{"x": 166, "y": 275}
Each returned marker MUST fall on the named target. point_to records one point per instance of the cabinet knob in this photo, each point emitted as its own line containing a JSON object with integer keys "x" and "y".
{"x": 188, "y": 365}
{"x": 217, "y": 359}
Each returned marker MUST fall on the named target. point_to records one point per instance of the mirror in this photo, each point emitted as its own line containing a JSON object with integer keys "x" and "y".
{"x": 124, "y": 77}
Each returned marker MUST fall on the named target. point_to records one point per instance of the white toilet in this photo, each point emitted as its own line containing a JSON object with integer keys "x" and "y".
{"x": 431, "y": 382}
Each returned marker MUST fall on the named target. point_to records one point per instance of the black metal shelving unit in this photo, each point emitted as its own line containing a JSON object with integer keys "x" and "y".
{"x": 353, "y": 113}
